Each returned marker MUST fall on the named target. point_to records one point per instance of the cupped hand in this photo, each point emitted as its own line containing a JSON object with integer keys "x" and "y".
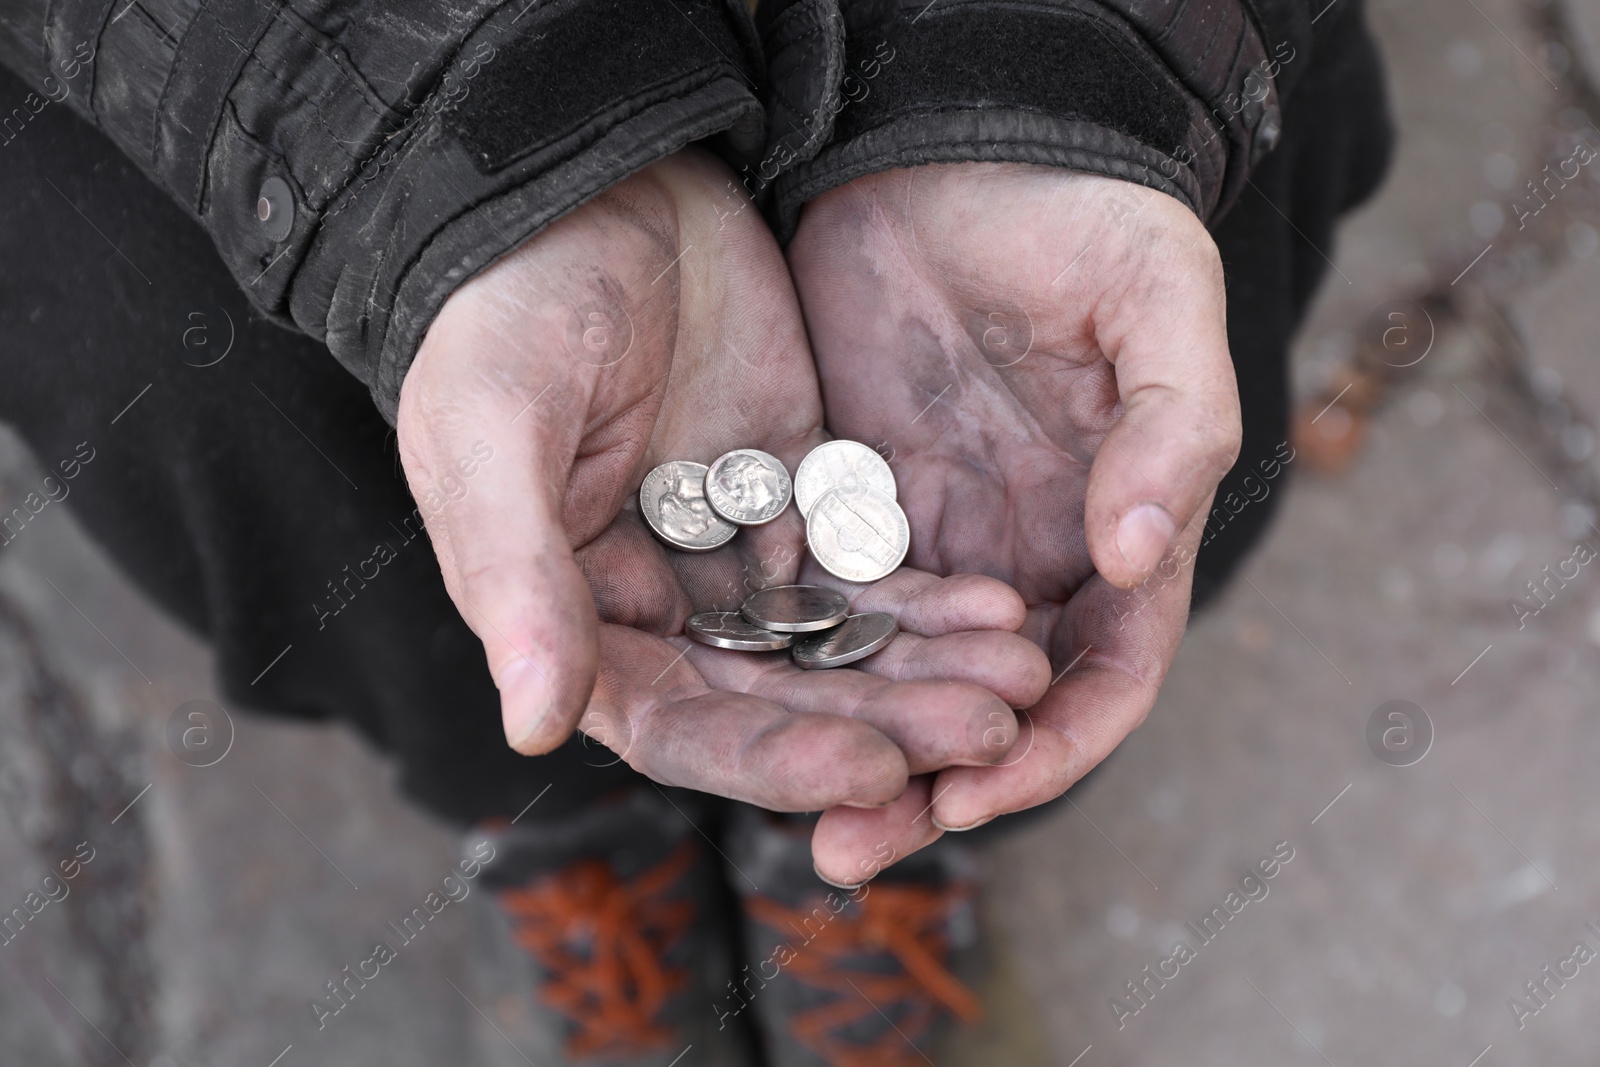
{"x": 1043, "y": 355}
{"x": 657, "y": 323}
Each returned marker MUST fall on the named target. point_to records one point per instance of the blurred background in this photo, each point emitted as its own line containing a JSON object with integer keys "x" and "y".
{"x": 1367, "y": 698}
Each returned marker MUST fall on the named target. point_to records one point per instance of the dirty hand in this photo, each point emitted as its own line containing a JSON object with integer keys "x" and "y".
{"x": 1044, "y": 356}
{"x": 655, "y": 323}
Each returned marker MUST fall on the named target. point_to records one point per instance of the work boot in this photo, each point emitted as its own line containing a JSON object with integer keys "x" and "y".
{"x": 613, "y": 925}
{"x": 847, "y": 978}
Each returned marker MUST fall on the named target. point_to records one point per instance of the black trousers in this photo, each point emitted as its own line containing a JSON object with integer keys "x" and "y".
{"x": 241, "y": 477}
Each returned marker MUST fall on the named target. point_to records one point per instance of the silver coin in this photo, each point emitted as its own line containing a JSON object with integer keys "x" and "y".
{"x": 857, "y": 533}
{"x": 839, "y": 463}
{"x": 857, "y": 638}
{"x": 748, "y": 487}
{"x": 796, "y": 609}
{"x": 729, "y": 629}
{"x": 673, "y": 502}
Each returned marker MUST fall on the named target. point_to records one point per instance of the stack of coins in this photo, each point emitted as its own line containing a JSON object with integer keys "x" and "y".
{"x": 813, "y": 623}
{"x": 844, "y": 489}
{"x": 854, "y": 528}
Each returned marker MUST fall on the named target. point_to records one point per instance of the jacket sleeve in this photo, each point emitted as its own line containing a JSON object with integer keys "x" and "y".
{"x": 1179, "y": 95}
{"x": 357, "y": 160}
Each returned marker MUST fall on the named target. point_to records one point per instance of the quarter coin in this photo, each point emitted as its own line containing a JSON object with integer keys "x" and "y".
{"x": 729, "y": 629}
{"x": 859, "y": 637}
{"x": 796, "y": 609}
{"x": 748, "y": 487}
{"x": 673, "y": 502}
{"x": 858, "y": 533}
{"x": 837, "y": 463}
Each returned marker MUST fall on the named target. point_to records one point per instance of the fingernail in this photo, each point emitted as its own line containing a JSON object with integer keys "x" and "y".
{"x": 524, "y": 702}
{"x": 960, "y": 829}
{"x": 837, "y": 885}
{"x": 1143, "y": 536}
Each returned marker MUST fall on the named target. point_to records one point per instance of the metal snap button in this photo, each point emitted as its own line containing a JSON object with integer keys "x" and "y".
{"x": 1269, "y": 131}
{"x": 275, "y": 209}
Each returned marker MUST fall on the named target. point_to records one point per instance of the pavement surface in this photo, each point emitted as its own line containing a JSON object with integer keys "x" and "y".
{"x": 1422, "y": 870}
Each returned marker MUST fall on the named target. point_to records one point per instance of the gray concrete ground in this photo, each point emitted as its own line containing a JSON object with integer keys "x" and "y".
{"x": 1409, "y": 903}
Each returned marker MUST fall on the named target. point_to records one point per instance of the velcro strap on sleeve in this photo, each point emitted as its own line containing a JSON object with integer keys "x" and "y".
{"x": 1179, "y": 97}
{"x": 603, "y": 57}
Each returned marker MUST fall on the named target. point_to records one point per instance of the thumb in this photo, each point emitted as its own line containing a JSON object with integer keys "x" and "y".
{"x": 490, "y": 485}
{"x": 1179, "y": 433}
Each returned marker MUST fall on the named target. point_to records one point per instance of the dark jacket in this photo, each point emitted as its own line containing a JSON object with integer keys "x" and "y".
{"x": 227, "y": 453}
{"x": 355, "y": 162}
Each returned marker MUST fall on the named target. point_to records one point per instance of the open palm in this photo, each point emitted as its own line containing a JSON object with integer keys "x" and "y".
{"x": 657, "y": 323}
{"x": 1044, "y": 356}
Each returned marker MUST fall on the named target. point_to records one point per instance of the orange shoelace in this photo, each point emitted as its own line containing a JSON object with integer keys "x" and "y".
{"x": 908, "y": 922}
{"x": 602, "y": 943}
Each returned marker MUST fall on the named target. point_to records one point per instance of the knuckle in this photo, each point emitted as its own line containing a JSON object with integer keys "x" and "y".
{"x": 1221, "y": 436}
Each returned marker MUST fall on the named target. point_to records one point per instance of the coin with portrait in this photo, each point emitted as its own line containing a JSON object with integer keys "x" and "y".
{"x": 748, "y": 487}
{"x": 673, "y": 503}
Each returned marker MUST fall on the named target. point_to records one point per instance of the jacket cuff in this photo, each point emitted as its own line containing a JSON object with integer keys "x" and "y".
{"x": 1179, "y": 97}
{"x": 568, "y": 99}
